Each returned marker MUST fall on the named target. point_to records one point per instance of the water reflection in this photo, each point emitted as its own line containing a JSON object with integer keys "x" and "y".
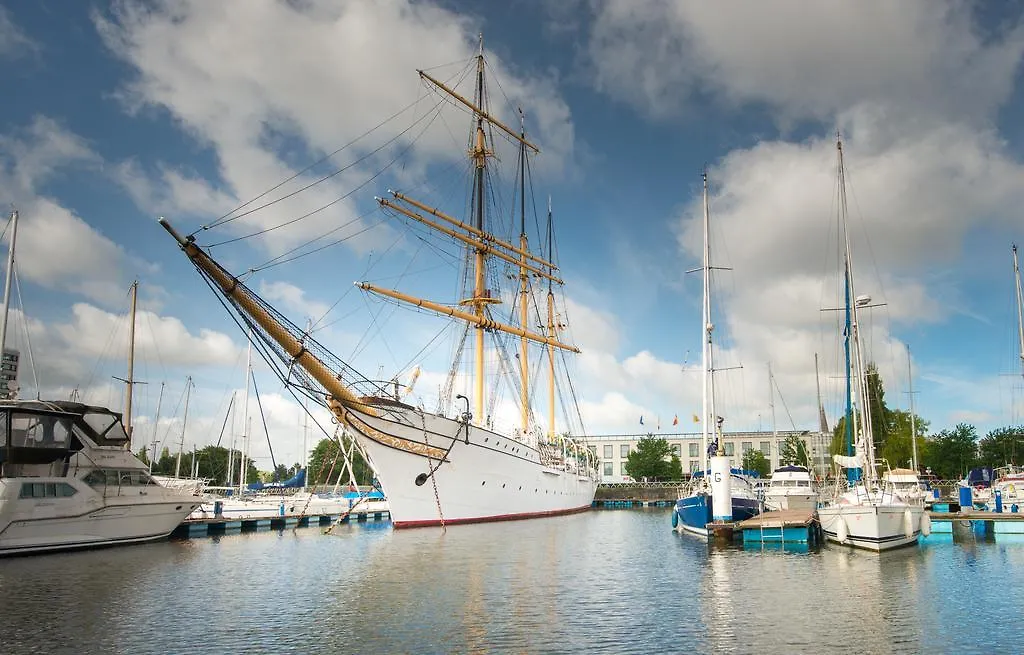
{"x": 614, "y": 582}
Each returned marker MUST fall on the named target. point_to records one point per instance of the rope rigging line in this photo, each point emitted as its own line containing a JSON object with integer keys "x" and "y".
{"x": 232, "y": 215}
{"x": 263, "y": 417}
{"x": 24, "y": 323}
{"x": 358, "y": 187}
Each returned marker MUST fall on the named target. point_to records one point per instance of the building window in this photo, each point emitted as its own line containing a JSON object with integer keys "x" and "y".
{"x": 624, "y": 451}
{"x": 730, "y": 449}
{"x": 693, "y": 449}
{"x": 608, "y": 468}
{"x": 746, "y": 447}
{"x": 694, "y": 466}
{"x": 766, "y": 448}
{"x": 679, "y": 450}
{"x": 608, "y": 453}
{"x": 593, "y": 450}
{"x": 622, "y": 468}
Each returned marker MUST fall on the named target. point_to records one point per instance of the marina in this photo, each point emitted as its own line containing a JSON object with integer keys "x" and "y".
{"x": 423, "y": 326}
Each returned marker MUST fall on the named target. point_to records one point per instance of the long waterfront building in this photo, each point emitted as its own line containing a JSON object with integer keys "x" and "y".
{"x": 613, "y": 449}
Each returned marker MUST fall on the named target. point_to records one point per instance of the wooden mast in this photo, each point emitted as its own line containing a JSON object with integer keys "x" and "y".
{"x": 551, "y": 334}
{"x": 480, "y": 300}
{"x": 524, "y": 281}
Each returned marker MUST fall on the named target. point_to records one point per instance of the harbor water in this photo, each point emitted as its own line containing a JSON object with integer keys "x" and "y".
{"x": 603, "y": 581}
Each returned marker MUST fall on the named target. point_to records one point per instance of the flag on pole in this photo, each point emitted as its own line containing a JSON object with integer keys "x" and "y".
{"x": 696, "y": 419}
{"x": 675, "y": 420}
{"x": 641, "y": 419}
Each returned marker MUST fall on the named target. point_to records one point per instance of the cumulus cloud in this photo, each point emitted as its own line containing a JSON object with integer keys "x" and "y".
{"x": 56, "y": 247}
{"x": 921, "y": 58}
{"x": 914, "y": 88}
{"x": 219, "y": 71}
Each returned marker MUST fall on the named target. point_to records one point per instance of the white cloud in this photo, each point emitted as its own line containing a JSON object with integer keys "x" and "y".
{"x": 918, "y": 58}
{"x": 56, "y": 248}
{"x": 14, "y": 43}
{"x": 270, "y": 85}
{"x": 293, "y": 299}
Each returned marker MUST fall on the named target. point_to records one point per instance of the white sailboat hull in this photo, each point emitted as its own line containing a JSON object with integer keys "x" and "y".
{"x": 484, "y": 476}
{"x": 872, "y": 527}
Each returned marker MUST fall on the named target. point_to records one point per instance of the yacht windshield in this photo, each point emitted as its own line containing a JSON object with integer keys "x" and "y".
{"x": 106, "y": 425}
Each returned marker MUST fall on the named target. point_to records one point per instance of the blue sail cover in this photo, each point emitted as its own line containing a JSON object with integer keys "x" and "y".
{"x": 296, "y": 481}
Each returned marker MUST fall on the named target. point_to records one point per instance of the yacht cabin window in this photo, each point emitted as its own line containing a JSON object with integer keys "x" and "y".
{"x": 39, "y": 431}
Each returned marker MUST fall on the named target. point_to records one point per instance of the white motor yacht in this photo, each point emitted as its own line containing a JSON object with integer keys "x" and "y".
{"x": 791, "y": 487}
{"x": 68, "y": 481}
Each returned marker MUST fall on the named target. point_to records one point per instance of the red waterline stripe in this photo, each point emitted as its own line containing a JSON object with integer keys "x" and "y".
{"x": 488, "y": 519}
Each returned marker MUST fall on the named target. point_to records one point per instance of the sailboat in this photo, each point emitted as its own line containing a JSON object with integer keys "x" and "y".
{"x": 694, "y": 509}
{"x": 867, "y": 512}
{"x": 437, "y": 469}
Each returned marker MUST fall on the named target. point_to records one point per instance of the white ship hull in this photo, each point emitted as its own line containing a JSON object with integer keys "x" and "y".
{"x": 484, "y": 476}
{"x": 872, "y": 527}
{"x": 89, "y": 519}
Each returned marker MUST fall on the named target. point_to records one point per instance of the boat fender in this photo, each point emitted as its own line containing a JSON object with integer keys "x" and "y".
{"x": 841, "y": 531}
{"x": 675, "y": 519}
{"x": 926, "y": 524}
{"x": 421, "y": 479}
{"x": 908, "y": 524}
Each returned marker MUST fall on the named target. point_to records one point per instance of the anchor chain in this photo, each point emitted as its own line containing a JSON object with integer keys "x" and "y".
{"x": 433, "y": 477}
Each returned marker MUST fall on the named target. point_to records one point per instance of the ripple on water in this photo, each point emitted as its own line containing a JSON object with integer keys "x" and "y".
{"x": 603, "y": 581}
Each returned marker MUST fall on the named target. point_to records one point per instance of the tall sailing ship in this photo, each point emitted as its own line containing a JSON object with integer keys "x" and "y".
{"x": 437, "y": 469}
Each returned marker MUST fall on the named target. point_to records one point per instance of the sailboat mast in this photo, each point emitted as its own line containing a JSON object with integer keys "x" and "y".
{"x": 7, "y": 282}
{"x": 130, "y": 380}
{"x": 156, "y": 425}
{"x": 524, "y": 355}
{"x": 913, "y": 423}
{"x": 706, "y": 389}
{"x": 479, "y": 260}
{"x": 854, "y": 354}
{"x": 771, "y": 404}
{"x": 1020, "y": 309}
{"x": 245, "y": 418}
{"x": 184, "y": 422}
{"x": 551, "y": 333}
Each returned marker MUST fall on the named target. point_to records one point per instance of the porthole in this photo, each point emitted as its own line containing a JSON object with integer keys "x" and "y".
{"x": 483, "y": 483}
{"x": 502, "y": 485}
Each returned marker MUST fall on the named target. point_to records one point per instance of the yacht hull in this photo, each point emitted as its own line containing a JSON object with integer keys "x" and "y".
{"x": 871, "y": 527}
{"x": 806, "y": 501}
{"x": 435, "y": 470}
{"x": 105, "y": 526}
{"x": 696, "y": 511}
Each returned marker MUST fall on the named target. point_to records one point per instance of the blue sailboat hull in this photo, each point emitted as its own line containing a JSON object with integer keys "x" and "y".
{"x": 696, "y": 511}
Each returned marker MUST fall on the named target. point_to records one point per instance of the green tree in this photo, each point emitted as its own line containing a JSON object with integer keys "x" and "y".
{"x": 754, "y": 460}
{"x": 211, "y": 462}
{"x": 1002, "y": 446}
{"x": 327, "y": 465}
{"x": 882, "y": 417}
{"x": 898, "y": 449}
{"x": 652, "y": 459}
{"x": 951, "y": 453}
{"x": 793, "y": 451}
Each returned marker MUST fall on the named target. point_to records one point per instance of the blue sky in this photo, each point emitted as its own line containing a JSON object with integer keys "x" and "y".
{"x": 118, "y": 113}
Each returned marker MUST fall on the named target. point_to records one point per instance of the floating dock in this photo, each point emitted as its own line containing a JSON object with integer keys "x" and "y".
{"x": 791, "y": 526}
{"x": 206, "y": 527}
{"x": 618, "y": 504}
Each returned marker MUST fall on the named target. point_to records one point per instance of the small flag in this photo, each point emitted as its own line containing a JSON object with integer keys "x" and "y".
{"x": 696, "y": 419}
{"x": 641, "y": 419}
{"x": 659, "y": 424}
{"x": 675, "y": 420}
